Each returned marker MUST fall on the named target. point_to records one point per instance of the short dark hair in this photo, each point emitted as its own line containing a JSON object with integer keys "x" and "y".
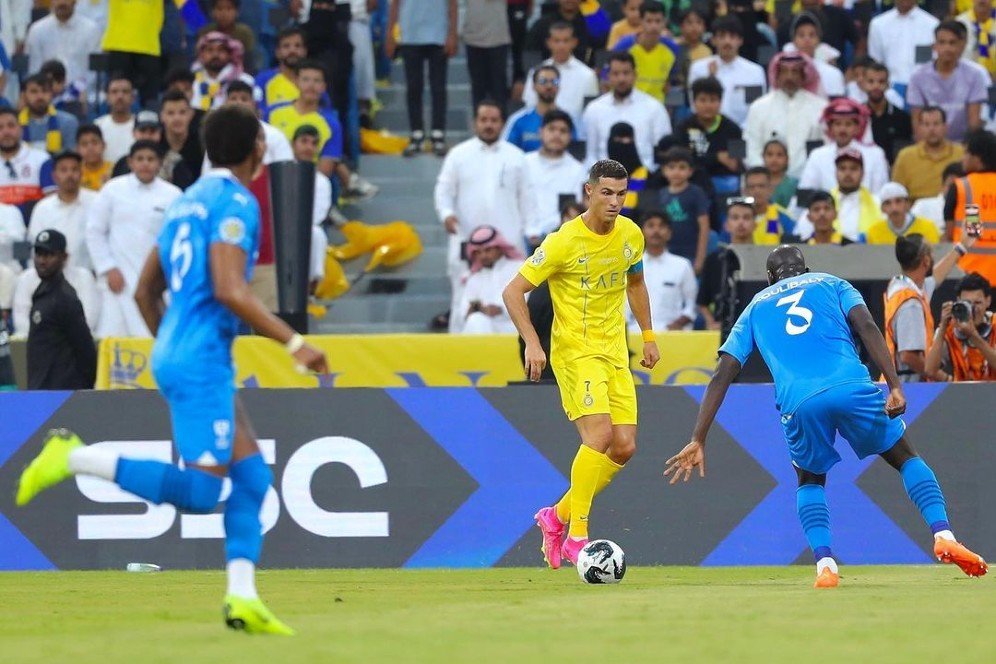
{"x": 537, "y": 71}
{"x": 85, "y": 129}
{"x": 957, "y": 28}
{"x": 145, "y": 145}
{"x": 757, "y": 170}
{"x": 910, "y": 249}
{"x": 622, "y": 56}
{"x": 119, "y": 76}
{"x": 875, "y": 65}
{"x": 982, "y": 144}
{"x": 66, "y": 154}
{"x": 240, "y": 86}
{"x": 651, "y": 7}
{"x": 312, "y": 65}
{"x": 229, "y": 134}
{"x": 557, "y": 115}
{"x": 607, "y": 168}
{"x": 654, "y": 214}
{"x": 692, "y": 11}
{"x": 237, "y": 3}
{"x": 730, "y": 24}
{"x": 39, "y": 79}
{"x": 175, "y": 95}
{"x": 974, "y": 281}
{"x": 821, "y": 197}
{"x": 561, "y": 25}
{"x": 934, "y": 109}
{"x": 678, "y": 154}
{"x": 9, "y": 110}
{"x": 709, "y": 85}
{"x": 290, "y": 31}
{"x": 954, "y": 169}
{"x": 488, "y": 101}
{"x": 178, "y": 74}
{"x": 54, "y": 70}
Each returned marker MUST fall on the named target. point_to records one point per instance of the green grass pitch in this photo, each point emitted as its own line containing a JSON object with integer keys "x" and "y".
{"x": 659, "y": 614}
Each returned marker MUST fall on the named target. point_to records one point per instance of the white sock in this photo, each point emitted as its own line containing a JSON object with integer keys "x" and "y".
{"x": 91, "y": 461}
{"x": 242, "y": 578}
{"x": 825, "y": 563}
{"x": 945, "y": 535}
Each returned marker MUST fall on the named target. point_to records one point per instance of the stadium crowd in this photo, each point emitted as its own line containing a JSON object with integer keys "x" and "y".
{"x": 740, "y": 122}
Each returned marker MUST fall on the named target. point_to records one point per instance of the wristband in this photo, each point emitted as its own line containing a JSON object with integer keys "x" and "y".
{"x": 294, "y": 344}
{"x": 649, "y": 336}
{"x": 960, "y": 248}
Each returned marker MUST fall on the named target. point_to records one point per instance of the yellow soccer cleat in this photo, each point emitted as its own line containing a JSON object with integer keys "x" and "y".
{"x": 252, "y": 617}
{"x": 50, "y": 467}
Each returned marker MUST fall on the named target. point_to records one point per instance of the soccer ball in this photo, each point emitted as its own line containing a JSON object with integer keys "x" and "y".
{"x": 601, "y": 561}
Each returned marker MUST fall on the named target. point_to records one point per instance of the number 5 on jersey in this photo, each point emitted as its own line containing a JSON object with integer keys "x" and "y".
{"x": 181, "y": 255}
{"x": 795, "y": 310}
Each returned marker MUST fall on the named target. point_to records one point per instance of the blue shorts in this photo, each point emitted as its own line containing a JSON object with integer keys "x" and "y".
{"x": 203, "y": 417}
{"x": 856, "y": 410}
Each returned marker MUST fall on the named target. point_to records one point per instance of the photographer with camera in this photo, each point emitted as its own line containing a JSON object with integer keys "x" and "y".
{"x": 964, "y": 346}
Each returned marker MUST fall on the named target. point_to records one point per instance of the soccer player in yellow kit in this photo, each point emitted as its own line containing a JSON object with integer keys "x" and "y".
{"x": 592, "y": 263}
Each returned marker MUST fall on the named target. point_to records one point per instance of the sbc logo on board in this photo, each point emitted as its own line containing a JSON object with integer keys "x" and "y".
{"x": 294, "y": 484}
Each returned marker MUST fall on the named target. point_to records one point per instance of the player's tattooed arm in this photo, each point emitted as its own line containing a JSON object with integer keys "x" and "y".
{"x": 149, "y": 292}
{"x": 864, "y": 327}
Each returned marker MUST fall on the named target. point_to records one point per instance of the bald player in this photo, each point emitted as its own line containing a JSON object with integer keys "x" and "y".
{"x": 804, "y": 324}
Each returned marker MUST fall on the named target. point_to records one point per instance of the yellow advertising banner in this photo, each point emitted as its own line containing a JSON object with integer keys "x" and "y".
{"x": 403, "y": 360}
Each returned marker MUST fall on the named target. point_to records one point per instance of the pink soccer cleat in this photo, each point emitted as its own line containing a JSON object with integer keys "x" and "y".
{"x": 572, "y": 547}
{"x": 553, "y": 534}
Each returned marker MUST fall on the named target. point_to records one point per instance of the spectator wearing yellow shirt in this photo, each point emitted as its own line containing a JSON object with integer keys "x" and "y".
{"x": 899, "y": 221}
{"x": 628, "y": 25}
{"x": 132, "y": 44}
{"x": 90, "y": 145}
{"x": 307, "y": 110}
{"x": 654, "y": 54}
{"x": 277, "y": 83}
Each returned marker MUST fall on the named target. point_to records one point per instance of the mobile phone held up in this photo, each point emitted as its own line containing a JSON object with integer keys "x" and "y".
{"x": 973, "y": 224}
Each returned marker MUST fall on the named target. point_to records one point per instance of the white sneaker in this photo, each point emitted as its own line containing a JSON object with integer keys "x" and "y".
{"x": 361, "y": 189}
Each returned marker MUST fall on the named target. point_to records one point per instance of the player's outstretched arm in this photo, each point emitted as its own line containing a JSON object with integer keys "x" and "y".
{"x": 228, "y": 267}
{"x": 149, "y": 292}
{"x": 864, "y": 327}
{"x": 514, "y": 297}
{"x": 639, "y": 303}
{"x": 693, "y": 454}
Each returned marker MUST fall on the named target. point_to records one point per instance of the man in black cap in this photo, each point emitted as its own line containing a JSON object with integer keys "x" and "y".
{"x": 61, "y": 352}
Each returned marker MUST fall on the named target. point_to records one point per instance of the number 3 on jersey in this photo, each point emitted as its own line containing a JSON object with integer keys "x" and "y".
{"x": 795, "y": 310}
{"x": 181, "y": 255}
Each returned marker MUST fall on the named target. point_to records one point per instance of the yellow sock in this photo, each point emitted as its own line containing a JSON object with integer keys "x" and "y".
{"x": 586, "y": 472}
{"x": 611, "y": 468}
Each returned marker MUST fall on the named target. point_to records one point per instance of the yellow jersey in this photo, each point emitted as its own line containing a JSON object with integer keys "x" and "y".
{"x": 653, "y": 67}
{"x": 882, "y": 233}
{"x": 287, "y": 119}
{"x": 133, "y": 26}
{"x": 588, "y": 274}
{"x": 94, "y": 178}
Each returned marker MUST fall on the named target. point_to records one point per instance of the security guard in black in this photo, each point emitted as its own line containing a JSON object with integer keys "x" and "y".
{"x": 61, "y": 352}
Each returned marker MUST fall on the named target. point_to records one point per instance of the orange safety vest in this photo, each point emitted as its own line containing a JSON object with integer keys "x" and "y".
{"x": 892, "y": 304}
{"x": 968, "y": 362}
{"x": 980, "y": 189}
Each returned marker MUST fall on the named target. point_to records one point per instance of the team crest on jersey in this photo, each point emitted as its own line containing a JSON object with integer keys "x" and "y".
{"x": 36, "y": 317}
{"x": 232, "y": 230}
{"x": 222, "y": 433}
{"x": 627, "y": 251}
{"x": 538, "y": 257}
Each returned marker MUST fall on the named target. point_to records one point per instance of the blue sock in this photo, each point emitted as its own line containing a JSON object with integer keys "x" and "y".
{"x": 190, "y": 489}
{"x": 922, "y": 488}
{"x": 251, "y": 479}
{"x": 811, "y": 503}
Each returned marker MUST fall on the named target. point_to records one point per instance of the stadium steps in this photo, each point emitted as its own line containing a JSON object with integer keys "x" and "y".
{"x": 402, "y": 299}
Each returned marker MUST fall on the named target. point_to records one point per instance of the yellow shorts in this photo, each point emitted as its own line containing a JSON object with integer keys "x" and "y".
{"x": 594, "y": 386}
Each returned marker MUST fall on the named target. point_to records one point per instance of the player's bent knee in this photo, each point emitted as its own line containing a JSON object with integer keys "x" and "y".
{"x": 252, "y": 475}
{"x": 622, "y": 449}
{"x": 203, "y": 492}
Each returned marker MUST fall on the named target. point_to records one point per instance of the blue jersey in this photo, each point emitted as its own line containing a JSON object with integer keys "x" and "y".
{"x": 800, "y": 327}
{"x": 196, "y": 334}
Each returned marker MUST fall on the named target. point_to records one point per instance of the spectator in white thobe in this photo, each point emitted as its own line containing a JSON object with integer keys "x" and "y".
{"x": 493, "y": 263}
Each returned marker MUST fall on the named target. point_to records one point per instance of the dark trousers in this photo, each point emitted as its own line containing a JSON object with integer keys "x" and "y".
{"x": 517, "y": 19}
{"x": 144, "y": 71}
{"x": 328, "y": 42}
{"x": 488, "y": 68}
{"x": 416, "y": 57}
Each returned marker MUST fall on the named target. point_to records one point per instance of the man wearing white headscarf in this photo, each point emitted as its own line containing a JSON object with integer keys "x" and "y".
{"x": 493, "y": 263}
